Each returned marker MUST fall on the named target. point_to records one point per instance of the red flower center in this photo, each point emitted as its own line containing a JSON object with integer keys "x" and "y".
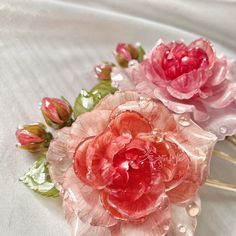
{"x": 179, "y": 61}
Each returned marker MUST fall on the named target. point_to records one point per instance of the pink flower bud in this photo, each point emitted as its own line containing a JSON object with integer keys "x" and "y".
{"x": 57, "y": 112}
{"x": 33, "y": 137}
{"x": 103, "y": 71}
{"x": 125, "y": 53}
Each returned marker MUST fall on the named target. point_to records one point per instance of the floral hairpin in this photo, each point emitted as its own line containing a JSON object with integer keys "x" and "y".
{"x": 122, "y": 161}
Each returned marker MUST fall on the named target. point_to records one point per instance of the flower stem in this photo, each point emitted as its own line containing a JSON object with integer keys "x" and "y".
{"x": 217, "y": 184}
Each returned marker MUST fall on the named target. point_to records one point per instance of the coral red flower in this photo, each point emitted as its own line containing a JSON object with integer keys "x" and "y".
{"x": 130, "y": 167}
{"x": 187, "y": 78}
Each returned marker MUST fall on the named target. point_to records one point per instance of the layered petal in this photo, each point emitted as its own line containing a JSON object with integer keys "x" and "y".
{"x": 156, "y": 223}
{"x": 87, "y": 125}
{"x": 57, "y": 156}
{"x": 85, "y": 201}
{"x": 155, "y": 113}
{"x": 110, "y": 102}
{"x": 198, "y": 145}
{"x": 184, "y": 219}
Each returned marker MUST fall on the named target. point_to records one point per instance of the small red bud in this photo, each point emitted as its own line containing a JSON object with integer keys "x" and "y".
{"x": 103, "y": 71}
{"x": 32, "y": 137}
{"x": 57, "y": 112}
{"x": 125, "y": 53}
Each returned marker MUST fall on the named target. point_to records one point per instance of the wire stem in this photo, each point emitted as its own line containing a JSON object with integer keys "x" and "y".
{"x": 224, "y": 156}
{"x": 231, "y": 139}
{"x": 217, "y": 184}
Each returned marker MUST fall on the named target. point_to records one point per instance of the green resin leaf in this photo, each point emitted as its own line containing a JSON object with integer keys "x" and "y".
{"x": 38, "y": 178}
{"x": 141, "y": 53}
{"x": 87, "y": 100}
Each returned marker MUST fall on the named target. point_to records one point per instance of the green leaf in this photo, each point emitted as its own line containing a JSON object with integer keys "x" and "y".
{"x": 87, "y": 100}
{"x": 103, "y": 88}
{"x": 141, "y": 53}
{"x": 38, "y": 178}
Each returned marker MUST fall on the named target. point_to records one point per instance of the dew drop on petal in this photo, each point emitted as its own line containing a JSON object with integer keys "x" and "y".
{"x": 90, "y": 176}
{"x": 134, "y": 165}
{"x": 184, "y": 121}
{"x": 223, "y": 129}
{"x": 192, "y": 209}
{"x": 154, "y": 131}
{"x": 166, "y": 227}
{"x": 182, "y": 228}
{"x": 141, "y": 98}
{"x": 132, "y": 63}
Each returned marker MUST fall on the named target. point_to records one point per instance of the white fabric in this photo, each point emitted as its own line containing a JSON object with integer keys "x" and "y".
{"x": 47, "y": 47}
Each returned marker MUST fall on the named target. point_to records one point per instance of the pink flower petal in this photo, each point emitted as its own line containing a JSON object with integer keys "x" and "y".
{"x": 154, "y": 112}
{"x": 183, "y": 221}
{"x": 112, "y": 101}
{"x": 143, "y": 206}
{"x": 57, "y": 156}
{"x": 219, "y": 72}
{"x": 87, "y": 125}
{"x": 187, "y": 85}
{"x": 121, "y": 79}
{"x": 150, "y": 74}
{"x": 224, "y": 95}
{"x": 206, "y": 46}
{"x": 198, "y": 145}
{"x": 220, "y": 125}
{"x": 147, "y": 88}
{"x": 131, "y": 122}
{"x": 85, "y": 201}
{"x": 80, "y": 167}
{"x": 98, "y": 163}
{"x": 156, "y": 223}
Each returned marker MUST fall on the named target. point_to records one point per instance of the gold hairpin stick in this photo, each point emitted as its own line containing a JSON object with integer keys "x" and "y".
{"x": 216, "y": 183}
{"x": 231, "y": 139}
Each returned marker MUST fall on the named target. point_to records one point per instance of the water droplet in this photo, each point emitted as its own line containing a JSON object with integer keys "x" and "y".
{"x": 141, "y": 98}
{"x": 155, "y": 132}
{"x": 193, "y": 209}
{"x": 223, "y": 129}
{"x": 182, "y": 228}
{"x": 90, "y": 176}
{"x": 132, "y": 63}
{"x": 184, "y": 121}
{"x": 134, "y": 165}
{"x": 62, "y": 191}
{"x": 166, "y": 227}
{"x": 39, "y": 105}
{"x": 60, "y": 159}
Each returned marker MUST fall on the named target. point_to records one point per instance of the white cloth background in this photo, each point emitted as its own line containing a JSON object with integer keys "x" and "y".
{"x": 47, "y": 47}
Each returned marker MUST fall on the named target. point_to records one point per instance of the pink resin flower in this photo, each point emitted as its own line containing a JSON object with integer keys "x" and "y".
{"x": 187, "y": 79}
{"x": 130, "y": 167}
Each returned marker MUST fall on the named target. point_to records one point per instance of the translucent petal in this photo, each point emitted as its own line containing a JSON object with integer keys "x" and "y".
{"x": 112, "y": 101}
{"x": 57, "y": 156}
{"x": 183, "y": 220}
{"x": 156, "y": 223}
{"x": 87, "y": 125}
{"x": 85, "y": 201}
